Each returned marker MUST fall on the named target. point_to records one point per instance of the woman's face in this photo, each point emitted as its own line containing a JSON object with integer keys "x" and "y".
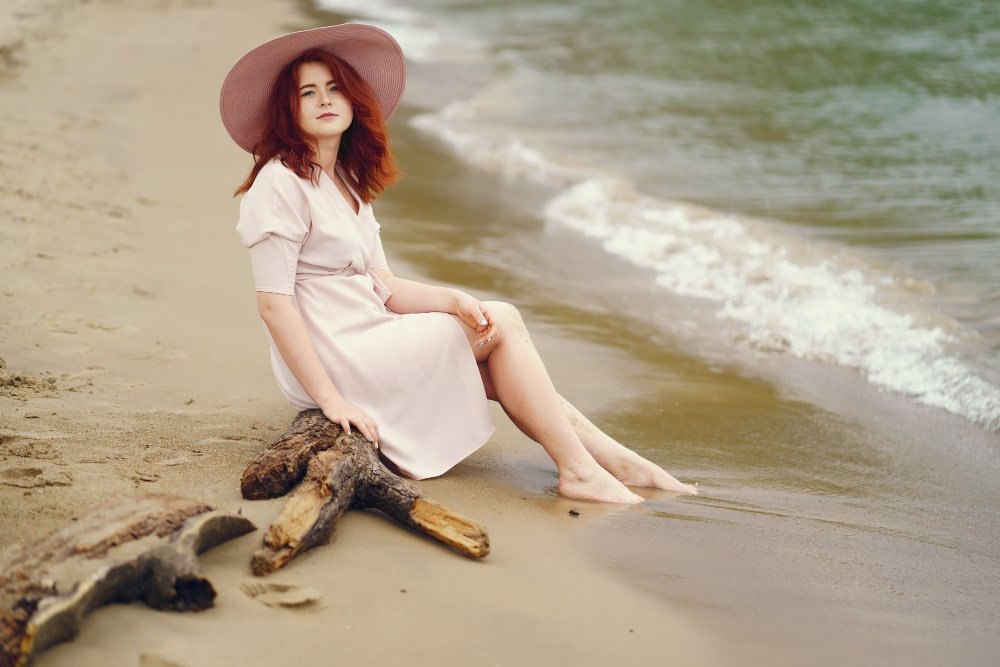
{"x": 324, "y": 112}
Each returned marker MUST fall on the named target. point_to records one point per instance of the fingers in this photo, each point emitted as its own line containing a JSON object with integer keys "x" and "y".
{"x": 476, "y": 315}
{"x": 485, "y": 319}
{"x": 489, "y": 335}
{"x": 345, "y": 414}
{"x": 368, "y": 429}
{"x": 364, "y": 425}
{"x": 477, "y": 320}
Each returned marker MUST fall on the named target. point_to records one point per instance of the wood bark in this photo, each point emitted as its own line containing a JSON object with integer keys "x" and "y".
{"x": 335, "y": 472}
{"x": 135, "y": 548}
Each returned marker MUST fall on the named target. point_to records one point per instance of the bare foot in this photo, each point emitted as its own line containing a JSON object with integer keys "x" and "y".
{"x": 634, "y": 470}
{"x": 627, "y": 466}
{"x": 595, "y": 483}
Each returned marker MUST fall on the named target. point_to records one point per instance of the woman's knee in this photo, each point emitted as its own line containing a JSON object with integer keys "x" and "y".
{"x": 505, "y": 314}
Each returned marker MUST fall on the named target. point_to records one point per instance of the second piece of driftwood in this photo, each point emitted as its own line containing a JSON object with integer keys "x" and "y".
{"x": 136, "y": 548}
{"x": 336, "y": 472}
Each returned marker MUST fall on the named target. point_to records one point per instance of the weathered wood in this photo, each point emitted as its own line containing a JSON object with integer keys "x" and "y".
{"x": 340, "y": 472}
{"x": 405, "y": 503}
{"x": 311, "y": 511}
{"x": 135, "y": 548}
{"x": 283, "y": 464}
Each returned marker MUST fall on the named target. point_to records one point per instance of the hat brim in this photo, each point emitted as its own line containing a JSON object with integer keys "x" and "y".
{"x": 371, "y": 51}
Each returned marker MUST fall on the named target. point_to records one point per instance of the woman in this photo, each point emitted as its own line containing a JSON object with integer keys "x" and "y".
{"x": 409, "y": 365}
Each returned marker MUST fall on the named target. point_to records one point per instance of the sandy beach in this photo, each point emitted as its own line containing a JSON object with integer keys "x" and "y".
{"x": 836, "y": 522}
{"x": 135, "y": 362}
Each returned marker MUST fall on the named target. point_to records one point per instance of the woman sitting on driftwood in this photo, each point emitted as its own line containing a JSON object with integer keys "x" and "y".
{"x": 409, "y": 365}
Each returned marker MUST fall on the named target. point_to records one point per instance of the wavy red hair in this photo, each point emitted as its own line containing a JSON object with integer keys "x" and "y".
{"x": 364, "y": 151}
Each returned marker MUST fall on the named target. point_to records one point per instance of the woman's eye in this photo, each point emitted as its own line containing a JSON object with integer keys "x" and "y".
{"x": 334, "y": 89}
{"x": 307, "y": 93}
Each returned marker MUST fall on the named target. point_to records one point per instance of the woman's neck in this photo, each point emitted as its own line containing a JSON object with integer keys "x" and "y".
{"x": 326, "y": 154}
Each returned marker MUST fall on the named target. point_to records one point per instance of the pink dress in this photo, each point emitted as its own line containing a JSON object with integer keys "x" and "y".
{"x": 414, "y": 374}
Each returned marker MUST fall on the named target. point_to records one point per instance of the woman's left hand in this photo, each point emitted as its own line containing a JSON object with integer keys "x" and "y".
{"x": 476, "y": 315}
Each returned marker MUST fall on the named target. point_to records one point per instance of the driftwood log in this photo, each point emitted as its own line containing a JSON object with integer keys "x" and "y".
{"x": 135, "y": 548}
{"x": 332, "y": 472}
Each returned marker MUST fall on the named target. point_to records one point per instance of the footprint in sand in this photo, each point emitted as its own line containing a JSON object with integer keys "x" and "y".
{"x": 274, "y": 594}
{"x": 222, "y": 440}
{"x": 73, "y": 323}
{"x": 30, "y": 478}
{"x": 62, "y": 322}
{"x": 33, "y": 450}
{"x": 143, "y": 476}
{"x": 20, "y": 473}
{"x": 31, "y": 445}
{"x": 178, "y": 460}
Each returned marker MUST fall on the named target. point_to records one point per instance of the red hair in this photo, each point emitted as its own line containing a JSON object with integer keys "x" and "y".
{"x": 364, "y": 147}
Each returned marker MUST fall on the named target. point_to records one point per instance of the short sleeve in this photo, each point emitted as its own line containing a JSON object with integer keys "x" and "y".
{"x": 378, "y": 253}
{"x": 275, "y": 204}
{"x": 273, "y": 262}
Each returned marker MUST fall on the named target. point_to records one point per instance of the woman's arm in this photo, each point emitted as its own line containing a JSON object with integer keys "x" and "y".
{"x": 292, "y": 340}
{"x": 410, "y": 296}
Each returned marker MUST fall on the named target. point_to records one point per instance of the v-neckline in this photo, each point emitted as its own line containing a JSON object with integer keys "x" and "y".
{"x": 340, "y": 195}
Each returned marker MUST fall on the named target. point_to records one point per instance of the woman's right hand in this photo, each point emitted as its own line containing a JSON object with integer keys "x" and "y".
{"x": 345, "y": 414}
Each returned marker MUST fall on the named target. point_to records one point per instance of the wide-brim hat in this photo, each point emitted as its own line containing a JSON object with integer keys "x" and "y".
{"x": 371, "y": 51}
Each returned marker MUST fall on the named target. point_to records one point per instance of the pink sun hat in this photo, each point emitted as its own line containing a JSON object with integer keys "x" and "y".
{"x": 371, "y": 51}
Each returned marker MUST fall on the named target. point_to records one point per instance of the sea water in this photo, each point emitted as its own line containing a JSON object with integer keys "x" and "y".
{"x": 825, "y": 175}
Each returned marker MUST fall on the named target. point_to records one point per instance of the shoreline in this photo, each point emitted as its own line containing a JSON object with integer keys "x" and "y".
{"x": 127, "y": 285}
{"x": 829, "y": 527}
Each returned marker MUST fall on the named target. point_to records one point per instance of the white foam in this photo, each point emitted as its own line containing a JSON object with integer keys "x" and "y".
{"x": 810, "y": 303}
{"x": 379, "y": 9}
{"x": 420, "y": 42}
{"x": 493, "y": 149}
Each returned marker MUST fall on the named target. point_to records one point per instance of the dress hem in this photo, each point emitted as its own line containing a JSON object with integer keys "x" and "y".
{"x": 469, "y": 453}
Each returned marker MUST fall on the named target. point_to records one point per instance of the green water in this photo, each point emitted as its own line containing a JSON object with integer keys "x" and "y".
{"x": 872, "y": 123}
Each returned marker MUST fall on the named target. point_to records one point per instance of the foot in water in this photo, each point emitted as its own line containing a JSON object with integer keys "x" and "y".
{"x": 633, "y": 470}
{"x": 627, "y": 466}
{"x": 595, "y": 483}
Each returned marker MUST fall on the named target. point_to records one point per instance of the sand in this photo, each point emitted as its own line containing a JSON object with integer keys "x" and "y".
{"x": 134, "y": 361}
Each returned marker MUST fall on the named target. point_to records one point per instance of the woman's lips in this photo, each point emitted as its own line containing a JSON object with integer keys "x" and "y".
{"x": 328, "y": 115}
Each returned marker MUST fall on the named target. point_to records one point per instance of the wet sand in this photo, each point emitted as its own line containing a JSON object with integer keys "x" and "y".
{"x": 135, "y": 362}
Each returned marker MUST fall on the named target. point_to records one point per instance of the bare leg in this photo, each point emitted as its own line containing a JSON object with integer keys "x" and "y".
{"x": 630, "y": 468}
{"x": 523, "y": 387}
{"x": 618, "y": 459}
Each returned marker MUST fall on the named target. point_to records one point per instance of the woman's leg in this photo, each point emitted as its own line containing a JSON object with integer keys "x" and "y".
{"x": 630, "y": 468}
{"x": 523, "y": 387}
{"x": 618, "y": 459}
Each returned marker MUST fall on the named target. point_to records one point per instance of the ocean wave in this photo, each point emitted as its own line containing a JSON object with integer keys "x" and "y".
{"x": 784, "y": 293}
{"x": 811, "y": 307}
{"x": 495, "y": 151}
